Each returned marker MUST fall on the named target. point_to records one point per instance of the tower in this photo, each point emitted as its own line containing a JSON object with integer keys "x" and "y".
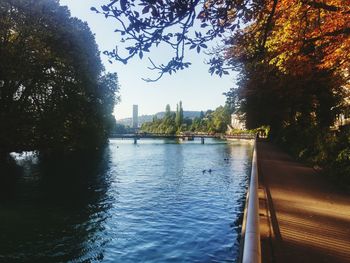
{"x": 135, "y": 116}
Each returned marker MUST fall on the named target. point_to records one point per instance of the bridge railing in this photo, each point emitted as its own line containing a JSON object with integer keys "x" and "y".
{"x": 241, "y": 136}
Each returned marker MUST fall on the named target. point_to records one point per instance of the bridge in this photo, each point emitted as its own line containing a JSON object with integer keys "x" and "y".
{"x": 181, "y": 136}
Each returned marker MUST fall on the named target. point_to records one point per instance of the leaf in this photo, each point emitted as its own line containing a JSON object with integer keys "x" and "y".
{"x": 105, "y": 8}
{"x": 141, "y": 54}
{"x": 203, "y": 45}
{"x": 179, "y": 37}
{"x": 145, "y": 10}
{"x": 198, "y": 49}
{"x": 123, "y": 4}
{"x": 131, "y": 50}
{"x": 154, "y": 11}
{"x": 94, "y": 9}
{"x": 201, "y": 15}
{"x": 171, "y": 16}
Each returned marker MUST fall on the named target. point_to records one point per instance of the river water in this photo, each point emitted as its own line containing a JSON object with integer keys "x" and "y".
{"x": 149, "y": 202}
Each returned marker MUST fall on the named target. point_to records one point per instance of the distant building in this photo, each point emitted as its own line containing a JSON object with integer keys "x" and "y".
{"x": 236, "y": 123}
{"x": 343, "y": 118}
{"x": 135, "y": 116}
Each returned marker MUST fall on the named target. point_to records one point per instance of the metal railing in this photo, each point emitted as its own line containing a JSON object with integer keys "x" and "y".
{"x": 248, "y": 136}
{"x": 250, "y": 237}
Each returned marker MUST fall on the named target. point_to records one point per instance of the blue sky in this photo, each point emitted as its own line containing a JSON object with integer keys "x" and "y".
{"x": 197, "y": 89}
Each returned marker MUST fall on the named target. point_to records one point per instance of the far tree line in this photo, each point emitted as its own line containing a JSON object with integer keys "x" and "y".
{"x": 210, "y": 121}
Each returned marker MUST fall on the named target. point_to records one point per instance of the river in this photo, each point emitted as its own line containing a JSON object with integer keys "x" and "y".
{"x": 149, "y": 202}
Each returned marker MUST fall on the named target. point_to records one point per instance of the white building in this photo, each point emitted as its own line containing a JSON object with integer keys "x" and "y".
{"x": 236, "y": 123}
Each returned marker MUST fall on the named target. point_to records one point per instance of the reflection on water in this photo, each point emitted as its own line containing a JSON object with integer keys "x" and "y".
{"x": 149, "y": 202}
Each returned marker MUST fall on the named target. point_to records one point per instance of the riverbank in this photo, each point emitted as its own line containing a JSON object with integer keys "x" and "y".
{"x": 303, "y": 216}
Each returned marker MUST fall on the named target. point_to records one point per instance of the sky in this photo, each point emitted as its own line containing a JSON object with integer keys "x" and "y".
{"x": 195, "y": 87}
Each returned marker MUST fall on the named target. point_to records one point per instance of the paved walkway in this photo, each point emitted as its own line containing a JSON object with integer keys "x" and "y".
{"x": 303, "y": 218}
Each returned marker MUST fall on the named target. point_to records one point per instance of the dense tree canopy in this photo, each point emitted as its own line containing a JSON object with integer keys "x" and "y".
{"x": 291, "y": 77}
{"x": 54, "y": 94}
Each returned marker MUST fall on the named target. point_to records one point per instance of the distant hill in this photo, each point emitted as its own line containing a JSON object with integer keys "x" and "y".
{"x": 148, "y": 118}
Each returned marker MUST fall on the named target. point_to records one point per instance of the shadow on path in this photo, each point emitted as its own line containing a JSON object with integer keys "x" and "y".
{"x": 303, "y": 217}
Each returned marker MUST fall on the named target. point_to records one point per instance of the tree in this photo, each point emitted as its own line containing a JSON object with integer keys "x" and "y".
{"x": 120, "y": 129}
{"x": 167, "y": 111}
{"x": 54, "y": 96}
{"x": 221, "y": 117}
{"x": 165, "y": 125}
{"x": 179, "y": 115}
{"x": 108, "y": 86}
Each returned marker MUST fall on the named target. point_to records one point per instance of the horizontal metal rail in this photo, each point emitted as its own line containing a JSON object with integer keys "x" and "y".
{"x": 250, "y": 227}
{"x": 175, "y": 136}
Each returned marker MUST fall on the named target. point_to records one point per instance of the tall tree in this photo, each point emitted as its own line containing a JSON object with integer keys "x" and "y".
{"x": 54, "y": 96}
{"x": 167, "y": 111}
{"x": 179, "y": 115}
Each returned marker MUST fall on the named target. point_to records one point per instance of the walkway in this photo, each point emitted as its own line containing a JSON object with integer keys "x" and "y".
{"x": 302, "y": 217}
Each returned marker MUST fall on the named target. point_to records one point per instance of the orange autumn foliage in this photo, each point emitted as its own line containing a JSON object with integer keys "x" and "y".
{"x": 298, "y": 36}
{"x": 311, "y": 31}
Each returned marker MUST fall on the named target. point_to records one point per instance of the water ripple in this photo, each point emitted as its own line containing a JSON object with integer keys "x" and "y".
{"x": 150, "y": 203}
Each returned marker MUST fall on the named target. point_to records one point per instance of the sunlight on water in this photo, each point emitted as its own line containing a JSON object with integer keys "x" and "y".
{"x": 151, "y": 202}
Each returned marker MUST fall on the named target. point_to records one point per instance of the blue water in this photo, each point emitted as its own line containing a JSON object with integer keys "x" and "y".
{"x": 149, "y": 202}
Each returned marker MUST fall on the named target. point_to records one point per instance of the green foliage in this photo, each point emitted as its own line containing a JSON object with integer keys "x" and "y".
{"x": 322, "y": 147}
{"x": 332, "y": 151}
{"x": 221, "y": 117}
{"x": 55, "y": 96}
{"x": 179, "y": 115}
{"x": 299, "y": 109}
{"x": 167, "y": 111}
{"x": 120, "y": 129}
{"x": 210, "y": 122}
{"x": 166, "y": 125}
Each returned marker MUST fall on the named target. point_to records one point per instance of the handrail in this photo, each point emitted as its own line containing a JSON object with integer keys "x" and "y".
{"x": 250, "y": 226}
